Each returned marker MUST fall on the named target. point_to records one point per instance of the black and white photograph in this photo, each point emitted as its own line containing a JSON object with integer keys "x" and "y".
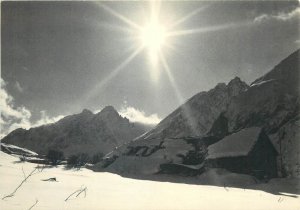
{"x": 150, "y": 105}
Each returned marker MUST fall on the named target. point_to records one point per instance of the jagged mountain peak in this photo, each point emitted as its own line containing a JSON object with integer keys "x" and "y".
{"x": 86, "y": 112}
{"x": 219, "y": 86}
{"x": 108, "y": 112}
{"x": 108, "y": 109}
{"x": 81, "y": 117}
{"x": 236, "y": 85}
{"x": 236, "y": 81}
{"x": 196, "y": 116}
{"x": 82, "y": 132}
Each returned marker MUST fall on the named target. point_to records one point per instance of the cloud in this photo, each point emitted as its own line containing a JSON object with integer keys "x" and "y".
{"x": 13, "y": 117}
{"x": 135, "y": 115}
{"x": 282, "y": 16}
{"x": 18, "y": 87}
{"x": 97, "y": 110}
{"x": 45, "y": 119}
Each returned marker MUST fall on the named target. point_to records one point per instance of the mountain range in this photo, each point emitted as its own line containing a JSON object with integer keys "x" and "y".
{"x": 80, "y": 133}
{"x": 270, "y": 102}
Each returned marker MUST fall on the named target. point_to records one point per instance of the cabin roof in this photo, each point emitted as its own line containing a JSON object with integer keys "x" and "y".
{"x": 193, "y": 167}
{"x": 236, "y": 144}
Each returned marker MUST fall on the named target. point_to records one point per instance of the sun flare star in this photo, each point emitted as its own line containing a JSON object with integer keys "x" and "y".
{"x": 156, "y": 37}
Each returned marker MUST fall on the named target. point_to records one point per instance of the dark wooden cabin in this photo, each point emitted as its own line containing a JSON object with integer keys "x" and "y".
{"x": 248, "y": 151}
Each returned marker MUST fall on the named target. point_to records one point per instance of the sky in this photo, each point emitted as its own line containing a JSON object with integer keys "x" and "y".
{"x": 58, "y": 58}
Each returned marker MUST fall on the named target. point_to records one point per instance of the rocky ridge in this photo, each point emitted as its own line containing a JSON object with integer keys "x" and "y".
{"x": 80, "y": 133}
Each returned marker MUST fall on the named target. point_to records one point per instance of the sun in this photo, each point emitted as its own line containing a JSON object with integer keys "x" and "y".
{"x": 157, "y": 36}
{"x": 153, "y": 36}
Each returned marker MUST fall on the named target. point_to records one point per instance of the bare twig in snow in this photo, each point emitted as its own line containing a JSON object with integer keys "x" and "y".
{"x": 24, "y": 180}
{"x": 81, "y": 190}
{"x": 41, "y": 168}
{"x": 280, "y": 199}
{"x": 23, "y": 173}
{"x": 84, "y": 190}
{"x": 34, "y": 204}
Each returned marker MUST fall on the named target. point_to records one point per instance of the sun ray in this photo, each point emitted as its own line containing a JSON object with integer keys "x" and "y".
{"x": 188, "y": 16}
{"x": 186, "y": 110}
{"x": 199, "y": 30}
{"x": 170, "y": 77}
{"x": 119, "y": 16}
{"x": 205, "y": 29}
{"x": 155, "y": 9}
{"x": 114, "y": 27}
{"x": 153, "y": 38}
{"x": 112, "y": 74}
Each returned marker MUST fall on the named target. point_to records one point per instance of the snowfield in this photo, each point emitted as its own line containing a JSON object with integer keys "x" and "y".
{"x": 110, "y": 191}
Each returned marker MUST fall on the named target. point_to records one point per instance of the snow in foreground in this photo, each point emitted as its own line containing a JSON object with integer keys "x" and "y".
{"x": 110, "y": 191}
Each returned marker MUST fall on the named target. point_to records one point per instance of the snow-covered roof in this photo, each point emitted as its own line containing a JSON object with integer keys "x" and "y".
{"x": 193, "y": 167}
{"x": 236, "y": 144}
{"x": 17, "y": 150}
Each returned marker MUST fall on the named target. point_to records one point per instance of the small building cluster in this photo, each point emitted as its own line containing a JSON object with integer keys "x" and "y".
{"x": 248, "y": 151}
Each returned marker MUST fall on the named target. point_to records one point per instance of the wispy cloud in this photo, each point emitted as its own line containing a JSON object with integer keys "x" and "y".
{"x": 135, "y": 115}
{"x": 97, "y": 110}
{"x": 13, "y": 117}
{"x": 282, "y": 16}
{"x": 45, "y": 119}
{"x": 18, "y": 87}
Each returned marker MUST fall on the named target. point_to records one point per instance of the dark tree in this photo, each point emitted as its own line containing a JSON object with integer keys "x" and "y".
{"x": 55, "y": 156}
{"x": 78, "y": 160}
{"x": 97, "y": 158}
{"x": 73, "y": 160}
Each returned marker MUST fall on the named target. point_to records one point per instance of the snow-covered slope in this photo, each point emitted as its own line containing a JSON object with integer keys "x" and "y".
{"x": 12, "y": 149}
{"x": 110, "y": 191}
{"x": 80, "y": 133}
